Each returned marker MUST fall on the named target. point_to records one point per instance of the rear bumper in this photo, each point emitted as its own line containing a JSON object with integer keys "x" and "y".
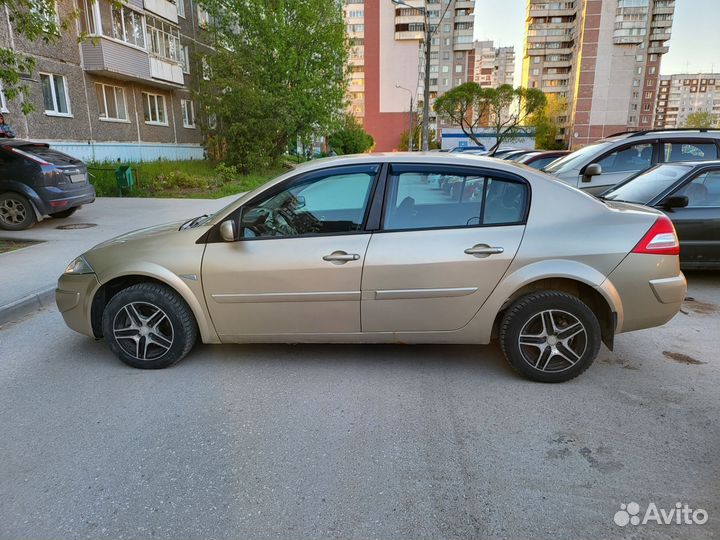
{"x": 651, "y": 289}
{"x": 55, "y": 199}
{"x": 73, "y": 297}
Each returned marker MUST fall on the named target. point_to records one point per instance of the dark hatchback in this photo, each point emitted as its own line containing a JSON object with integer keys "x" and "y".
{"x": 37, "y": 181}
{"x": 689, "y": 193}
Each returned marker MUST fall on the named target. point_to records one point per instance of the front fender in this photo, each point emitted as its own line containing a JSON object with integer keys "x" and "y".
{"x": 191, "y": 294}
{"x": 547, "y": 269}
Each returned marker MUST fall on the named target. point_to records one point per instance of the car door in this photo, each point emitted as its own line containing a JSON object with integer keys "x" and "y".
{"x": 618, "y": 165}
{"x": 698, "y": 224}
{"x": 296, "y": 265}
{"x": 438, "y": 255}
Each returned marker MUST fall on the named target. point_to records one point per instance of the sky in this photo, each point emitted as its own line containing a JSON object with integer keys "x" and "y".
{"x": 694, "y": 46}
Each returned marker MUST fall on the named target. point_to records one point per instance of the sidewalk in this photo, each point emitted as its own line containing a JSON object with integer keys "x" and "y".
{"x": 29, "y": 275}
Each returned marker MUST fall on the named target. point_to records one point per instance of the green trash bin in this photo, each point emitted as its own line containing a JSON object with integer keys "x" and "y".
{"x": 124, "y": 178}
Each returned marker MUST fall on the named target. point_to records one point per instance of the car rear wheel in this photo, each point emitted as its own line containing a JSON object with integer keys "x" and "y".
{"x": 149, "y": 326}
{"x": 550, "y": 336}
{"x": 16, "y": 212}
{"x": 65, "y": 213}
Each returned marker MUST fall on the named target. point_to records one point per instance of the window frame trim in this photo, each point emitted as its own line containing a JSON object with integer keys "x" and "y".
{"x": 456, "y": 170}
{"x": 125, "y": 120}
{"x": 53, "y": 94}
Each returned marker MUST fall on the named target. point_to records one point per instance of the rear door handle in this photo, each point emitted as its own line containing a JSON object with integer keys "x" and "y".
{"x": 341, "y": 257}
{"x": 484, "y": 250}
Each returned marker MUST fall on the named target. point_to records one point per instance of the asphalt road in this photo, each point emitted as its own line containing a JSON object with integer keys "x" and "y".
{"x": 357, "y": 441}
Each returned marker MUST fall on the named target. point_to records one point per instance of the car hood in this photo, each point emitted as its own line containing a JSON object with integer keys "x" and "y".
{"x": 141, "y": 234}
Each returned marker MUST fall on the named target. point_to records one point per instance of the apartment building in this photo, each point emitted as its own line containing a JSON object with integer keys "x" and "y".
{"x": 683, "y": 94}
{"x": 602, "y": 56}
{"x": 387, "y": 60}
{"x": 124, "y": 92}
{"x": 493, "y": 66}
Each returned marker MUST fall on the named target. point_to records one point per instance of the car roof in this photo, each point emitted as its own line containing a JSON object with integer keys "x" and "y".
{"x": 713, "y": 134}
{"x": 21, "y": 142}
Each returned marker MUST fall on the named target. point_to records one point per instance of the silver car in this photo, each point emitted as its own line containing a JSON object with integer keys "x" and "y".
{"x": 601, "y": 165}
{"x": 369, "y": 249}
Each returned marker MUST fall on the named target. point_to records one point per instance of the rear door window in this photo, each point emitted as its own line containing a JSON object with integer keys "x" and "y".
{"x": 637, "y": 157}
{"x": 426, "y": 200}
{"x": 703, "y": 191}
{"x": 689, "y": 151}
{"x": 48, "y": 154}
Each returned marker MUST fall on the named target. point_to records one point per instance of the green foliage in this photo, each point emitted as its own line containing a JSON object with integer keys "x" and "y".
{"x": 417, "y": 139}
{"x": 547, "y": 123}
{"x": 195, "y": 179}
{"x": 504, "y": 108}
{"x": 350, "y": 138}
{"x": 277, "y": 74}
{"x": 700, "y": 119}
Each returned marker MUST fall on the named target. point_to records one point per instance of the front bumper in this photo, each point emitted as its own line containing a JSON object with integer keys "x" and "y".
{"x": 73, "y": 297}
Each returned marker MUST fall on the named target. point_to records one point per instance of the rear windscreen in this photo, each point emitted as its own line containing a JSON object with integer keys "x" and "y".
{"x": 49, "y": 155}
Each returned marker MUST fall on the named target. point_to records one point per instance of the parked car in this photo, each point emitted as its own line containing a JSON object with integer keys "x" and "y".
{"x": 468, "y": 148}
{"x": 515, "y": 155}
{"x": 501, "y": 152}
{"x": 540, "y": 159}
{"x": 689, "y": 193}
{"x": 601, "y": 165}
{"x": 38, "y": 182}
{"x": 364, "y": 249}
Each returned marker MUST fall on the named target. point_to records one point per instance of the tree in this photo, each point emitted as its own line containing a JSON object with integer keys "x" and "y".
{"x": 504, "y": 108}
{"x": 547, "y": 123}
{"x": 350, "y": 138}
{"x": 417, "y": 139}
{"x": 278, "y": 74}
{"x": 700, "y": 119}
{"x": 33, "y": 20}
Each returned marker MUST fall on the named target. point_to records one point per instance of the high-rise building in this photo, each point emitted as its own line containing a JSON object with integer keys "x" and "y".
{"x": 125, "y": 92}
{"x": 387, "y": 60}
{"x": 602, "y": 56}
{"x": 493, "y": 66}
{"x": 683, "y": 94}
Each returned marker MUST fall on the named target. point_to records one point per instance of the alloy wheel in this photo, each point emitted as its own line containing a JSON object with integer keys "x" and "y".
{"x": 12, "y": 211}
{"x": 553, "y": 341}
{"x": 143, "y": 330}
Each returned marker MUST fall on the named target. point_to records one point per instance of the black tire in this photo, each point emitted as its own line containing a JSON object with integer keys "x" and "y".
{"x": 16, "y": 212}
{"x": 131, "y": 309}
{"x": 65, "y": 213}
{"x": 558, "y": 356}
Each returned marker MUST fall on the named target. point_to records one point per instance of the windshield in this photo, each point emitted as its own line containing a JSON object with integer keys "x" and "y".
{"x": 576, "y": 159}
{"x": 648, "y": 185}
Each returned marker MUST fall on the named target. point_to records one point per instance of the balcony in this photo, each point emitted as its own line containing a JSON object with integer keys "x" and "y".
{"x": 163, "y": 8}
{"x": 552, "y": 12}
{"x": 410, "y": 19}
{"x": 658, "y": 50}
{"x": 410, "y": 34}
{"x": 111, "y": 58}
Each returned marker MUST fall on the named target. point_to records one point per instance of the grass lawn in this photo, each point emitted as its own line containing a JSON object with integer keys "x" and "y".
{"x": 11, "y": 245}
{"x": 183, "y": 179}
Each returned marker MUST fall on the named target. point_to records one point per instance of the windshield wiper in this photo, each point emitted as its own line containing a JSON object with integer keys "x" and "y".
{"x": 192, "y": 222}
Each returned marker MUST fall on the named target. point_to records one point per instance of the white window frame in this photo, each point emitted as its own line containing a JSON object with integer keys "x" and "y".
{"x": 185, "y": 59}
{"x": 3, "y": 101}
{"x": 55, "y": 111}
{"x": 180, "y": 8}
{"x": 184, "y": 103}
{"x": 147, "y": 96}
{"x": 124, "y": 38}
{"x": 105, "y": 88}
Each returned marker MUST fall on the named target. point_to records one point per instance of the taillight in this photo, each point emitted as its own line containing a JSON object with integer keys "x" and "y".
{"x": 660, "y": 239}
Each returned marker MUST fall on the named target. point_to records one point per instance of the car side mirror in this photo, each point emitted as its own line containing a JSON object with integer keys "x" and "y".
{"x": 594, "y": 169}
{"x": 228, "y": 230}
{"x": 675, "y": 201}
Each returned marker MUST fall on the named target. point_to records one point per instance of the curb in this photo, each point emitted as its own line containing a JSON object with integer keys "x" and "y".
{"x": 32, "y": 302}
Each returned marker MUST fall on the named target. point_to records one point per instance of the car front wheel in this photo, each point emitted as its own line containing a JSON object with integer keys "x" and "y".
{"x": 16, "y": 212}
{"x": 550, "y": 336}
{"x": 149, "y": 326}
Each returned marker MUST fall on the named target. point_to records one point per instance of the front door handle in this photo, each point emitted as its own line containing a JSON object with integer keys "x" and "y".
{"x": 341, "y": 257}
{"x": 483, "y": 250}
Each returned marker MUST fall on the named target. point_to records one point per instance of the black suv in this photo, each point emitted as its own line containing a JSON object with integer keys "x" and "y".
{"x": 36, "y": 181}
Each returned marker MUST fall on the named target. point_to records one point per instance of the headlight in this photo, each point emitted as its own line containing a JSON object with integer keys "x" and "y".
{"x": 79, "y": 266}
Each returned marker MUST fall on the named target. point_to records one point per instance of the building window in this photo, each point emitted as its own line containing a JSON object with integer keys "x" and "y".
{"x": 48, "y": 13}
{"x": 188, "y": 113}
{"x": 164, "y": 39}
{"x": 458, "y": 68}
{"x": 127, "y": 26}
{"x": 207, "y": 70}
{"x": 3, "y": 101}
{"x": 185, "y": 58}
{"x": 181, "y": 8}
{"x": 154, "y": 109}
{"x": 111, "y": 102}
{"x": 212, "y": 121}
{"x": 203, "y": 18}
{"x": 55, "y": 94}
